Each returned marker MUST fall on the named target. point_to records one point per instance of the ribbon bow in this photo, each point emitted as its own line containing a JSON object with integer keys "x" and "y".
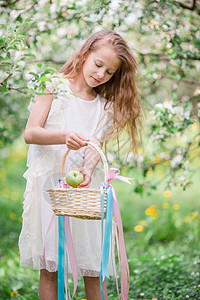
{"x": 114, "y": 174}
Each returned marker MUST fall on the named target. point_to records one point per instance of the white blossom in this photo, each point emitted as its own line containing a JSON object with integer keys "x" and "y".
{"x": 30, "y": 85}
{"x": 169, "y": 45}
{"x": 14, "y": 14}
{"x": 159, "y": 105}
{"x": 41, "y": 25}
{"x": 155, "y": 75}
{"x": 53, "y": 8}
{"x": 185, "y": 139}
{"x": 178, "y": 110}
{"x": 165, "y": 27}
{"x": 178, "y": 150}
{"x": 187, "y": 114}
{"x": 176, "y": 161}
{"x": 182, "y": 178}
{"x": 177, "y": 133}
{"x": 168, "y": 104}
{"x": 138, "y": 157}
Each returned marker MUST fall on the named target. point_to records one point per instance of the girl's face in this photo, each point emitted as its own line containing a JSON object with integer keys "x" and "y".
{"x": 100, "y": 66}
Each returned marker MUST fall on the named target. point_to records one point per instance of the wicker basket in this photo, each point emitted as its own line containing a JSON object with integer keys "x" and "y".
{"x": 82, "y": 203}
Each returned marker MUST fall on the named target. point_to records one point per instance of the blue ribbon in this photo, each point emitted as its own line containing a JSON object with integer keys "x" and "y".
{"x": 61, "y": 257}
{"x": 107, "y": 236}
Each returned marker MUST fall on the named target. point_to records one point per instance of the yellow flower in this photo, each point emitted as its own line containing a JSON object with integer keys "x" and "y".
{"x": 13, "y": 216}
{"x": 14, "y": 293}
{"x": 193, "y": 214}
{"x": 149, "y": 173}
{"x": 154, "y": 216}
{"x": 186, "y": 219}
{"x": 14, "y": 195}
{"x": 138, "y": 228}
{"x": 165, "y": 205}
{"x": 156, "y": 159}
{"x": 20, "y": 219}
{"x": 167, "y": 194}
{"x": 143, "y": 223}
{"x": 176, "y": 207}
{"x": 5, "y": 192}
{"x": 150, "y": 210}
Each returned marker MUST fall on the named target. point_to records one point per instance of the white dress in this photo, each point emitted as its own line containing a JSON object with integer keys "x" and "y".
{"x": 68, "y": 112}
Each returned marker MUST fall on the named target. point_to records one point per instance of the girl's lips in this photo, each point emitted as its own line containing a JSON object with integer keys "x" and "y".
{"x": 95, "y": 80}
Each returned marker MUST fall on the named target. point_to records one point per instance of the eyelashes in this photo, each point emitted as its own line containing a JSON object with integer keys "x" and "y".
{"x": 98, "y": 66}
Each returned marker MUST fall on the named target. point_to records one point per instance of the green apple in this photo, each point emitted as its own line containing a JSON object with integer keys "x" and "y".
{"x": 74, "y": 178}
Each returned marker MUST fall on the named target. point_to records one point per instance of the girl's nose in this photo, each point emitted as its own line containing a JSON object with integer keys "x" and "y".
{"x": 101, "y": 74}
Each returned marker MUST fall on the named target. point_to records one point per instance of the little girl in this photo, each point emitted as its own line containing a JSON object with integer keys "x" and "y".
{"x": 95, "y": 97}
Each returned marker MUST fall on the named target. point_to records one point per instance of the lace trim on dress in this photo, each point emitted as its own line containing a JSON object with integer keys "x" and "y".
{"x": 51, "y": 266}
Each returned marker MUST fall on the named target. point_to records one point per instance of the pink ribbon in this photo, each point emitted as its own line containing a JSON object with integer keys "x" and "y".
{"x": 70, "y": 249}
{"x": 71, "y": 252}
{"x": 114, "y": 174}
{"x": 125, "y": 275}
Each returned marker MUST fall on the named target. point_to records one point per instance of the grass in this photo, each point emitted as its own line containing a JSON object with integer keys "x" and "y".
{"x": 162, "y": 236}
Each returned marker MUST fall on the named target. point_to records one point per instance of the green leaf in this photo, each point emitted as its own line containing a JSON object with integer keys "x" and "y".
{"x": 40, "y": 65}
{"x": 49, "y": 70}
{"x": 29, "y": 54}
{"x": 32, "y": 73}
{"x": 6, "y": 63}
{"x": 44, "y": 79}
{"x": 178, "y": 77}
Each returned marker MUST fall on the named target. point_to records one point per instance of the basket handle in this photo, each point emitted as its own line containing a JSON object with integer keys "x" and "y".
{"x": 98, "y": 149}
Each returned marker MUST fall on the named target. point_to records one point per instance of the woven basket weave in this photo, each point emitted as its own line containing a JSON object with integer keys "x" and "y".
{"x": 82, "y": 203}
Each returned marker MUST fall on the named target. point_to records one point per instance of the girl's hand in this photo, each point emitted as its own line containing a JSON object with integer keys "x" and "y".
{"x": 75, "y": 140}
{"x": 87, "y": 176}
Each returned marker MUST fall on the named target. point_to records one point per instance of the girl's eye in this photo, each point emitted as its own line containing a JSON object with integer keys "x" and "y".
{"x": 98, "y": 66}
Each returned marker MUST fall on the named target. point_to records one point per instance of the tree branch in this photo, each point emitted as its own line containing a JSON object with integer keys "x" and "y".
{"x": 185, "y": 153}
{"x": 9, "y": 4}
{"x": 191, "y": 6}
{"x": 166, "y": 58}
{"x": 190, "y": 82}
{"x": 15, "y": 89}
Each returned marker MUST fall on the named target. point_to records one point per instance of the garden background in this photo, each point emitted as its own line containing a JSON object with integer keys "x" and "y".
{"x": 160, "y": 209}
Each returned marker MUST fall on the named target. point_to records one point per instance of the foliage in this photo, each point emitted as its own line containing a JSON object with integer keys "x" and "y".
{"x": 35, "y": 34}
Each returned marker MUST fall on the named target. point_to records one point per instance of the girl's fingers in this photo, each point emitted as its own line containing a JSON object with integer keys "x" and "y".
{"x": 76, "y": 143}
{"x": 82, "y": 137}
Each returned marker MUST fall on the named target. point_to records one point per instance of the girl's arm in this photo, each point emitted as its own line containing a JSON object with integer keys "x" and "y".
{"x": 35, "y": 133}
{"x": 92, "y": 158}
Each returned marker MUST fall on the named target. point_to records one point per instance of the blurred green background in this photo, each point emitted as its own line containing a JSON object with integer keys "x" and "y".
{"x": 160, "y": 209}
{"x": 162, "y": 236}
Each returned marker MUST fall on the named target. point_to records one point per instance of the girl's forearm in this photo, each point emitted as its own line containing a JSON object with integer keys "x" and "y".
{"x": 92, "y": 158}
{"x": 41, "y": 136}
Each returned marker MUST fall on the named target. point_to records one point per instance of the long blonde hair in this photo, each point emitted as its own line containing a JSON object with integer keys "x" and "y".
{"x": 120, "y": 89}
